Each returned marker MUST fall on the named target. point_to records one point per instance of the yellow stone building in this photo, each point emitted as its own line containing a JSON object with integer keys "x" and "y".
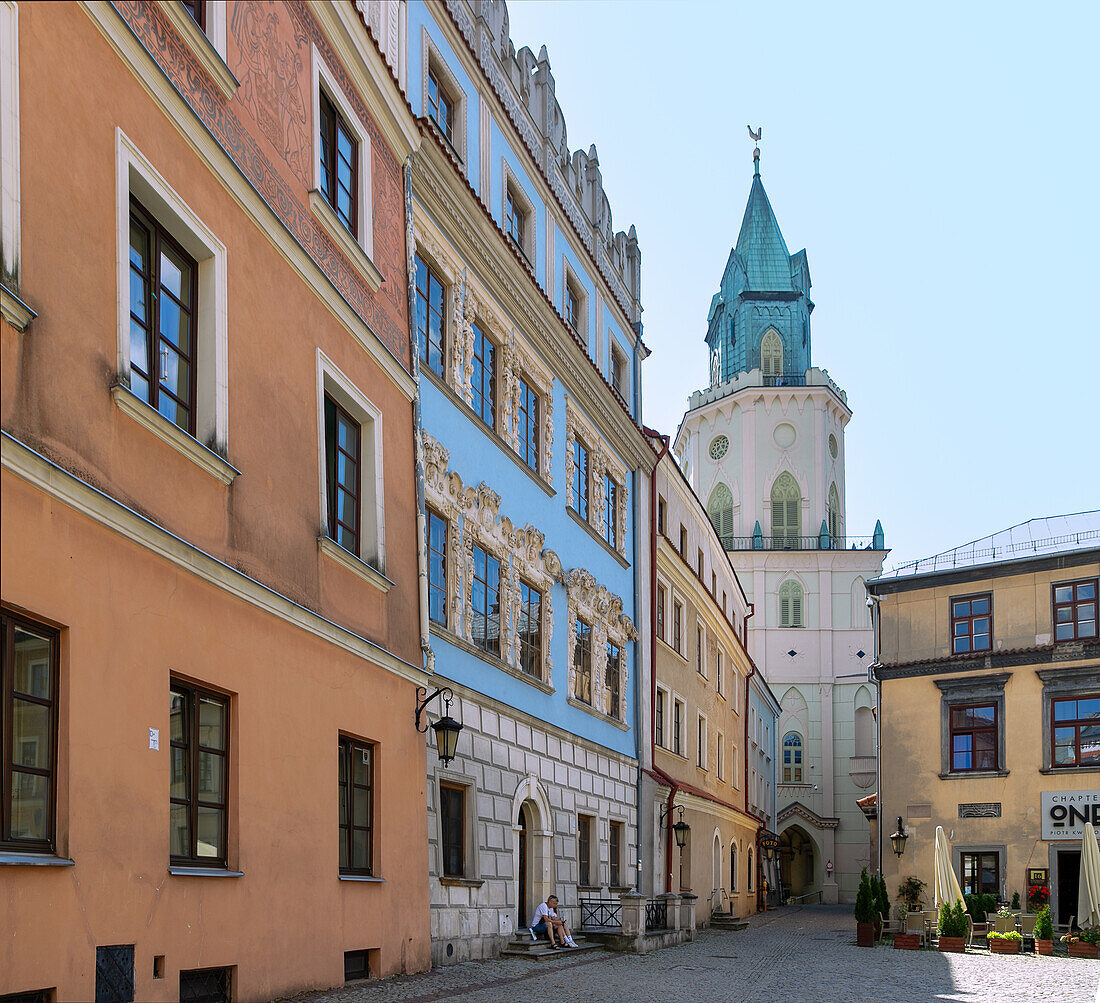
{"x": 988, "y": 667}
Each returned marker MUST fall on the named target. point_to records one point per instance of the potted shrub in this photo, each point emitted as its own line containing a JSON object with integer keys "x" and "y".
{"x": 911, "y": 893}
{"x": 1082, "y": 944}
{"x": 1044, "y": 932}
{"x": 1015, "y": 901}
{"x": 1004, "y": 943}
{"x": 866, "y": 910}
{"x": 952, "y": 928}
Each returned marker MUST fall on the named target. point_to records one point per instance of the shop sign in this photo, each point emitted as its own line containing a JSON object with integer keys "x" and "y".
{"x": 1066, "y": 812}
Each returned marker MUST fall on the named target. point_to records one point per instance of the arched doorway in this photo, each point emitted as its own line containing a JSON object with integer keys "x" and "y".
{"x": 524, "y": 871}
{"x": 532, "y": 848}
{"x": 716, "y": 878}
{"x": 797, "y": 862}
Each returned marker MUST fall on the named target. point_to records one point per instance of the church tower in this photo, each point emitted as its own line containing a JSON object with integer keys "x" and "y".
{"x": 763, "y": 447}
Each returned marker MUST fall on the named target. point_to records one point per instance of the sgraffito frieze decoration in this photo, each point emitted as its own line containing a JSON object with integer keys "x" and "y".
{"x": 269, "y": 37}
{"x": 601, "y": 462}
{"x": 474, "y": 519}
{"x": 588, "y": 600}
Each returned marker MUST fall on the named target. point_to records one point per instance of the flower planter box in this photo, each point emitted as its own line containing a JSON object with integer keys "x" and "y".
{"x": 952, "y": 945}
{"x": 1044, "y": 947}
{"x": 865, "y": 934}
{"x": 906, "y": 941}
{"x": 1082, "y": 950}
{"x": 997, "y": 946}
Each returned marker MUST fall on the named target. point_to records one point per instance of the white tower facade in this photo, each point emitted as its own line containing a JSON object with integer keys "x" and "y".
{"x": 764, "y": 447}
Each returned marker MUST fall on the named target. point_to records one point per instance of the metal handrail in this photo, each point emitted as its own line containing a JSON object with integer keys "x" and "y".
{"x": 796, "y": 898}
{"x": 601, "y": 914}
{"x": 779, "y": 542}
{"x": 656, "y": 915}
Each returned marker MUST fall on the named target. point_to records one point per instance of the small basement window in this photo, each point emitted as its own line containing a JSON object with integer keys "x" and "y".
{"x": 206, "y": 985}
{"x": 356, "y": 965}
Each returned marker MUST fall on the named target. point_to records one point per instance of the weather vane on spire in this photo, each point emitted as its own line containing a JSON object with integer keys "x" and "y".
{"x": 756, "y": 153}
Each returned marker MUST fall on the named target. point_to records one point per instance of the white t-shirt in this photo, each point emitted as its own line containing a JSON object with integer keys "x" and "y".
{"x": 543, "y": 912}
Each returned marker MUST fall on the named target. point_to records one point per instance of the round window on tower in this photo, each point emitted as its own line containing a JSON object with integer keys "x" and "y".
{"x": 832, "y": 446}
{"x": 719, "y": 445}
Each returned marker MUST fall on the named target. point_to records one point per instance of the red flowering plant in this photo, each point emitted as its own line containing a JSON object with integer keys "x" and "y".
{"x": 1038, "y": 895}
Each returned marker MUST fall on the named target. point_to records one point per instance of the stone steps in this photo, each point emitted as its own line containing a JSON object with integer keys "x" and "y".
{"x": 724, "y": 921}
{"x": 540, "y": 950}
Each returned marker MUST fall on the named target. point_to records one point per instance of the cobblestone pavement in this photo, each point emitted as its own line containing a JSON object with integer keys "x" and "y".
{"x": 796, "y": 954}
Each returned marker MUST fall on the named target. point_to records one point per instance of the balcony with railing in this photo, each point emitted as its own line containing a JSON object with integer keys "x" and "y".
{"x": 822, "y": 541}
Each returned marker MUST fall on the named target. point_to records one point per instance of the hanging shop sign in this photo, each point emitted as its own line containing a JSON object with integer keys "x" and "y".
{"x": 1066, "y": 812}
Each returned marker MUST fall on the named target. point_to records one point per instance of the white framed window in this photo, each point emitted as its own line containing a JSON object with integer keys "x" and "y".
{"x": 342, "y": 195}
{"x": 679, "y": 739}
{"x": 352, "y": 499}
{"x": 620, "y": 371}
{"x": 733, "y": 867}
{"x": 517, "y": 213}
{"x": 660, "y": 717}
{"x": 137, "y": 180}
{"x": 444, "y": 100}
{"x": 456, "y": 825}
{"x": 700, "y": 650}
{"x": 790, "y": 604}
{"x": 574, "y": 301}
{"x": 701, "y": 742}
{"x": 720, "y": 752}
{"x": 735, "y": 777}
{"x": 203, "y": 24}
{"x": 719, "y": 678}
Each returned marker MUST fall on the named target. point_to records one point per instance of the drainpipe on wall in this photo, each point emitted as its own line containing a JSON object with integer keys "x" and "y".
{"x": 665, "y": 442}
{"x": 427, "y": 658}
{"x": 639, "y": 733}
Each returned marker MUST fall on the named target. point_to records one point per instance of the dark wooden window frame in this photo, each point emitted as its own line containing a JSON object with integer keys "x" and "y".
{"x": 197, "y": 10}
{"x": 433, "y": 288}
{"x": 677, "y": 626}
{"x": 614, "y": 853}
{"x": 193, "y": 694}
{"x": 579, "y": 486}
{"x": 528, "y": 425}
{"x": 349, "y": 747}
{"x": 442, "y": 99}
{"x": 677, "y": 726}
{"x": 573, "y": 301}
{"x": 977, "y": 857}
{"x": 582, "y": 662}
{"x": 700, "y": 643}
{"x": 584, "y": 850}
{"x": 331, "y": 125}
{"x": 515, "y": 219}
{"x": 1072, "y": 604}
{"x": 1077, "y": 723}
{"x": 530, "y": 640}
{"x": 792, "y": 758}
{"x": 155, "y": 342}
{"x": 611, "y": 525}
{"x": 969, "y": 620}
{"x": 437, "y": 586}
{"x": 662, "y": 600}
{"x": 488, "y": 644}
{"x": 659, "y": 718}
{"x": 614, "y": 677}
{"x": 452, "y": 845}
{"x": 973, "y": 731}
{"x": 483, "y": 379}
{"x": 10, "y": 621}
{"x": 334, "y": 488}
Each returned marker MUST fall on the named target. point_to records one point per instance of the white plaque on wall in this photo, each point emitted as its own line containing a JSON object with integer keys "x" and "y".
{"x": 1066, "y": 812}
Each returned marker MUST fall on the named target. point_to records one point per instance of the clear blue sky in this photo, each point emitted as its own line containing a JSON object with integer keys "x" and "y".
{"x": 940, "y": 164}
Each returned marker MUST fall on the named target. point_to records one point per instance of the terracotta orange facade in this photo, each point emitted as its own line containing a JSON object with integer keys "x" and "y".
{"x": 211, "y": 612}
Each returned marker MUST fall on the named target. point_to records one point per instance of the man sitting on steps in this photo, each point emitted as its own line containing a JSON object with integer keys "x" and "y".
{"x": 547, "y": 921}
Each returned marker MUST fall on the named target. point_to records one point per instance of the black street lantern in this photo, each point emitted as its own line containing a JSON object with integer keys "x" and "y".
{"x": 680, "y": 828}
{"x": 898, "y": 839}
{"x": 446, "y": 728}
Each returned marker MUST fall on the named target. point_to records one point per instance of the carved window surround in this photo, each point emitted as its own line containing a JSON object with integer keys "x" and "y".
{"x": 601, "y": 460}
{"x": 587, "y": 600}
{"x": 466, "y": 304}
{"x": 473, "y": 518}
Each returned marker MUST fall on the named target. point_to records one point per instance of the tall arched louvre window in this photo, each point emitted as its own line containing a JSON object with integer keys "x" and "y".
{"x": 786, "y": 513}
{"x": 834, "y": 513}
{"x": 720, "y": 511}
{"x": 792, "y": 758}
{"x": 771, "y": 354}
{"x": 790, "y": 604}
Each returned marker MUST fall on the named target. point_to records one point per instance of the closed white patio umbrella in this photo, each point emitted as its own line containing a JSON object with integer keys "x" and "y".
{"x": 1088, "y": 895}
{"x": 947, "y": 885}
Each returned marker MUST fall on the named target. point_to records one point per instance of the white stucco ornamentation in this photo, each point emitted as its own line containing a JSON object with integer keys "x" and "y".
{"x": 473, "y": 517}
{"x": 588, "y": 600}
{"x": 602, "y": 462}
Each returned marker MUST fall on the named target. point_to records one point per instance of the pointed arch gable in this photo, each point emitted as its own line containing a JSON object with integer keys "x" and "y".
{"x": 792, "y": 600}
{"x": 786, "y": 510}
{"x": 771, "y": 353}
{"x": 834, "y": 521}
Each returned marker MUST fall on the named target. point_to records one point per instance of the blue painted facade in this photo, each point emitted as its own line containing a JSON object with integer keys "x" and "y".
{"x": 763, "y": 288}
{"x": 541, "y": 756}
